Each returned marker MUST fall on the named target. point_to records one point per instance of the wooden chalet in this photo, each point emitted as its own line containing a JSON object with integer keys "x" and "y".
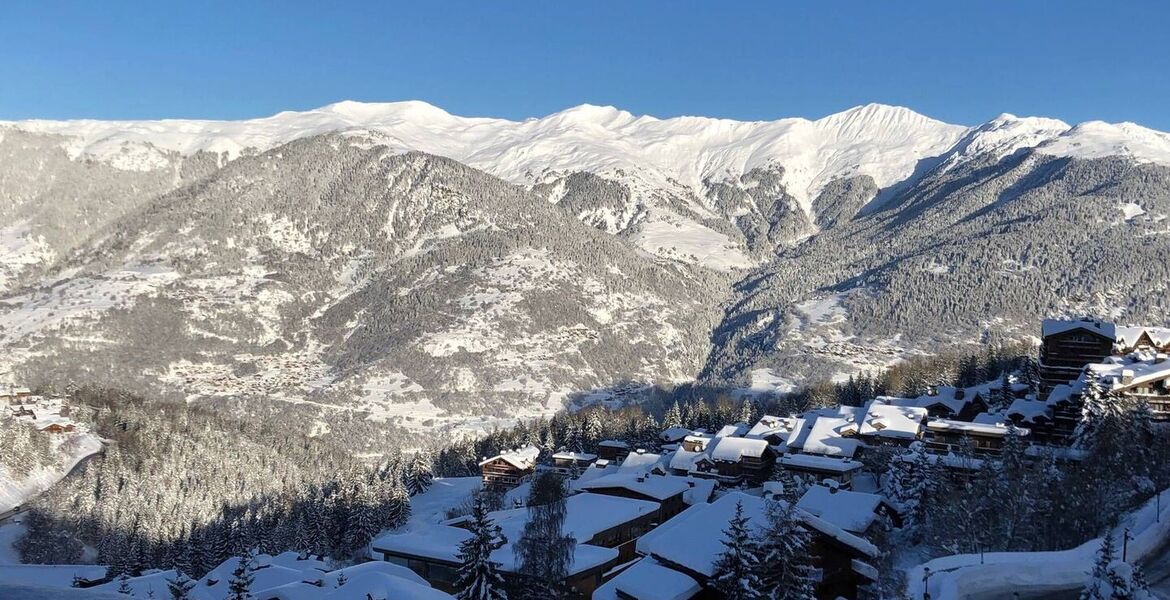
{"x": 572, "y": 463}
{"x": 606, "y": 528}
{"x": 613, "y": 450}
{"x": 509, "y": 469}
{"x": 684, "y": 544}
{"x": 945, "y": 436}
{"x": 1067, "y": 346}
{"x": 58, "y": 428}
{"x": 820, "y": 468}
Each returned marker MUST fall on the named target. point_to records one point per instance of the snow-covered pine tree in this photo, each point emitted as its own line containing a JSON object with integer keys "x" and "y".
{"x": 1002, "y": 398}
{"x": 909, "y": 484}
{"x": 479, "y": 576}
{"x": 180, "y": 587}
{"x": 673, "y": 416}
{"x": 418, "y": 473}
{"x": 747, "y": 411}
{"x": 124, "y": 585}
{"x": 737, "y": 569}
{"x": 240, "y": 585}
{"x": 786, "y": 571}
{"x": 1093, "y": 411}
{"x": 543, "y": 552}
{"x": 1030, "y": 375}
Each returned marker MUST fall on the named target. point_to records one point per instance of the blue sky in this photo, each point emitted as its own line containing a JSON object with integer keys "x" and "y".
{"x": 962, "y": 62}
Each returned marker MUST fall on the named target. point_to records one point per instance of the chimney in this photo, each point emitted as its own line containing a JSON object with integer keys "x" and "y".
{"x": 1127, "y": 376}
{"x": 641, "y": 450}
{"x": 960, "y": 393}
{"x": 1159, "y": 358}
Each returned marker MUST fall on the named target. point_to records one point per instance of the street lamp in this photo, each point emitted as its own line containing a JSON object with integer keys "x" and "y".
{"x": 925, "y": 583}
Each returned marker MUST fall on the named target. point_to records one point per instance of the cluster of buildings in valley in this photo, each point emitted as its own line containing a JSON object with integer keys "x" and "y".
{"x": 50, "y": 415}
{"x": 649, "y": 523}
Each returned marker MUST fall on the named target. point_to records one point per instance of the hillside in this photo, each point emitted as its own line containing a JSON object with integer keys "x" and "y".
{"x": 427, "y": 270}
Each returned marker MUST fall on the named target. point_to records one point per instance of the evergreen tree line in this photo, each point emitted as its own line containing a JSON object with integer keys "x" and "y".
{"x": 1034, "y": 501}
{"x": 183, "y": 487}
{"x": 24, "y": 449}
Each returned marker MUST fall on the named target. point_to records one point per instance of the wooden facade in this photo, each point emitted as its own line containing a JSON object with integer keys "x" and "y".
{"x": 500, "y": 474}
{"x": 613, "y": 450}
{"x": 1064, "y": 354}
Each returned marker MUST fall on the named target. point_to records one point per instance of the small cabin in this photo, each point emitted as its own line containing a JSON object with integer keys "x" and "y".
{"x": 58, "y": 428}
{"x": 944, "y": 436}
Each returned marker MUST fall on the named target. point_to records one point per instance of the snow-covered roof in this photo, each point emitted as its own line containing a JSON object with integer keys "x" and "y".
{"x": 49, "y": 575}
{"x": 684, "y": 460}
{"x": 376, "y": 579}
{"x": 883, "y": 419}
{"x": 736, "y": 430}
{"x": 998, "y": 429}
{"x": 578, "y": 456}
{"x": 851, "y": 511}
{"x": 1133, "y": 370}
{"x": 1127, "y": 336}
{"x": 694, "y": 538}
{"x": 1029, "y": 410}
{"x": 826, "y": 436}
{"x": 674, "y": 434}
{"x": 1054, "y": 326}
{"x": 639, "y": 461}
{"x": 771, "y": 425}
{"x": 820, "y": 463}
{"x": 732, "y": 449}
{"x": 613, "y": 444}
{"x": 649, "y": 580}
{"x": 586, "y": 516}
{"x": 659, "y": 487}
{"x": 521, "y": 458}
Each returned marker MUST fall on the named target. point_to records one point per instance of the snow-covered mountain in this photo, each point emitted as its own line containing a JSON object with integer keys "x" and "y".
{"x": 331, "y": 258}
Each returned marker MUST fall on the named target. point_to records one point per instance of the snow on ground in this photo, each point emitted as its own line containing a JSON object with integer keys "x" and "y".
{"x": 766, "y": 381}
{"x": 1129, "y": 211}
{"x": 44, "y": 310}
{"x": 47, "y": 576}
{"x": 10, "y": 531}
{"x": 431, "y": 507}
{"x": 1097, "y": 139}
{"x": 69, "y": 449}
{"x": 673, "y": 237}
{"x": 1000, "y": 574}
{"x": 20, "y": 250}
{"x": 11, "y": 591}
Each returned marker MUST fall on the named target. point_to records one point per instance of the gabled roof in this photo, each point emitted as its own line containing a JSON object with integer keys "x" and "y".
{"x": 815, "y": 462}
{"x": 658, "y": 487}
{"x": 733, "y": 449}
{"x": 736, "y": 430}
{"x": 885, "y": 419}
{"x": 771, "y": 425}
{"x": 521, "y": 458}
{"x": 674, "y": 434}
{"x": 649, "y": 580}
{"x": 1056, "y": 326}
{"x": 827, "y": 437}
{"x": 995, "y": 428}
{"x": 694, "y": 538}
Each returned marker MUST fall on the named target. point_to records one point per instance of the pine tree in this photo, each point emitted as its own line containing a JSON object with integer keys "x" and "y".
{"x": 418, "y": 474}
{"x": 1002, "y": 398}
{"x": 1030, "y": 375}
{"x": 673, "y": 416}
{"x": 1093, "y": 411}
{"x": 747, "y": 411}
{"x": 180, "y": 587}
{"x": 241, "y": 581}
{"x": 124, "y": 585}
{"x": 736, "y": 570}
{"x": 786, "y": 573}
{"x": 479, "y": 577}
{"x": 543, "y": 551}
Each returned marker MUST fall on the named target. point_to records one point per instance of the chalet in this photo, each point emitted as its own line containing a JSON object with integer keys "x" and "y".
{"x": 896, "y": 421}
{"x": 855, "y": 512}
{"x": 945, "y": 436}
{"x": 668, "y": 491}
{"x": 691, "y": 542}
{"x": 572, "y": 463}
{"x": 613, "y": 450}
{"x": 774, "y": 430}
{"x": 828, "y": 432}
{"x": 820, "y": 468}
{"x": 674, "y": 435}
{"x": 728, "y": 460}
{"x": 1068, "y": 346}
{"x": 648, "y": 579}
{"x": 58, "y": 428}
{"x": 509, "y": 469}
{"x": 606, "y": 529}
{"x": 1140, "y": 375}
{"x": 736, "y": 430}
